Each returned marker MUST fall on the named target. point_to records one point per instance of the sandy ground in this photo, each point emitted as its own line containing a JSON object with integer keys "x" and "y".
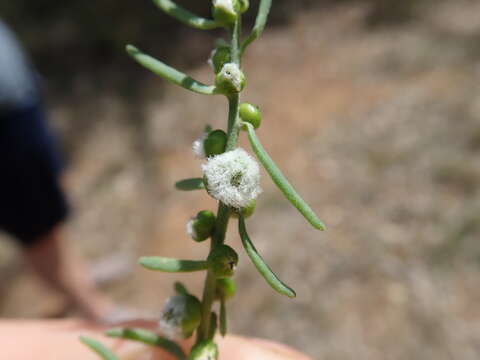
{"x": 379, "y": 130}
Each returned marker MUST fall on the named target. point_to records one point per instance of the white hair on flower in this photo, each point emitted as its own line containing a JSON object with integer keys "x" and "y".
{"x": 210, "y": 58}
{"x": 190, "y": 229}
{"x": 172, "y": 315}
{"x": 233, "y": 178}
{"x": 227, "y": 5}
{"x": 232, "y": 72}
{"x": 197, "y": 147}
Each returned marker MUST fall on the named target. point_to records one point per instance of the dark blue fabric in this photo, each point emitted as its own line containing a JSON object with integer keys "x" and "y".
{"x": 31, "y": 199}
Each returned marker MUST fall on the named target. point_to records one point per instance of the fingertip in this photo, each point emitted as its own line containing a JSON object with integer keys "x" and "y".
{"x": 241, "y": 348}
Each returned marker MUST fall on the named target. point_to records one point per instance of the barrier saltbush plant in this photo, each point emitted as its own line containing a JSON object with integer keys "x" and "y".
{"x": 230, "y": 175}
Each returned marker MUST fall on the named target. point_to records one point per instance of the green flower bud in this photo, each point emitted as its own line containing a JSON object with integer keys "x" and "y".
{"x": 181, "y": 315}
{"x": 201, "y": 226}
{"x": 250, "y": 113}
{"x": 215, "y": 143}
{"x": 219, "y": 57}
{"x": 246, "y": 211}
{"x": 223, "y": 260}
{"x": 225, "y": 289}
{"x": 243, "y": 5}
{"x": 230, "y": 79}
{"x": 204, "y": 350}
{"x": 225, "y": 12}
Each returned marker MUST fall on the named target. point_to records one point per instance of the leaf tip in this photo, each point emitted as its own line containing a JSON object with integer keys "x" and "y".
{"x": 115, "y": 332}
{"x": 84, "y": 339}
{"x": 132, "y": 50}
{"x": 320, "y": 226}
{"x": 143, "y": 261}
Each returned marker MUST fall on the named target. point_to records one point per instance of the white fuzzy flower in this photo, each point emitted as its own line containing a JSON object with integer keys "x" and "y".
{"x": 172, "y": 316}
{"x": 226, "y": 5}
{"x": 197, "y": 147}
{"x": 210, "y": 58}
{"x": 233, "y": 178}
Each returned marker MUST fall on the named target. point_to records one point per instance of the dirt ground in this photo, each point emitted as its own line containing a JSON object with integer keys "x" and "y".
{"x": 379, "y": 130}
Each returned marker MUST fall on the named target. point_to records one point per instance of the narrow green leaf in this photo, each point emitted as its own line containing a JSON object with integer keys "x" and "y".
{"x": 190, "y": 184}
{"x": 149, "y": 338}
{"x": 213, "y": 325}
{"x": 168, "y": 73}
{"x": 99, "y": 348}
{"x": 172, "y": 265}
{"x": 260, "y": 21}
{"x": 260, "y": 264}
{"x": 223, "y": 317}
{"x": 279, "y": 179}
{"x": 186, "y": 16}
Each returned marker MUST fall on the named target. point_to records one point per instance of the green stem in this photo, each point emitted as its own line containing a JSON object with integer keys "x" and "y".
{"x": 234, "y": 100}
{"x": 207, "y": 302}
{"x": 233, "y": 119}
{"x": 236, "y": 30}
{"x": 223, "y": 213}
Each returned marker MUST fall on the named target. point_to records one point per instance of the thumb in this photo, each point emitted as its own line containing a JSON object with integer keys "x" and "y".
{"x": 241, "y": 348}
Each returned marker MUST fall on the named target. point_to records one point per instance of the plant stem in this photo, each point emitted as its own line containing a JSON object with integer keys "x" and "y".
{"x": 207, "y": 302}
{"x": 223, "y": 213}
{"x": 232, "y": 132}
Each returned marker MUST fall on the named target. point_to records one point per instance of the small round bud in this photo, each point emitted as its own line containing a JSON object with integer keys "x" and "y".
{"x": 250, "y": 113}
{"x": 225, "y": 11}
{"x": 230, "y": 79}
{"x": 225, "y": 289}
{"x": 219, "y": 57}
{"x": 204, "y": 350}
{"x": 222, "y": 261}
{"x": 181, "y": 315}
{"x": 201, "y": 226}
{"x": 246, "y": 211}
{"x": 215, "y": 143}
{"x": 243, "y": 5}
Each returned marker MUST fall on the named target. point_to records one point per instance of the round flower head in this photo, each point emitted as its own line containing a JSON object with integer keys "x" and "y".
{"x": 222, "y": 261}
{"x": 230, "y": 79}
{"x": 233, "y": 178}
{"x": 201, "y": 226}
{"x": 219, "y": 57}
{"x": 180, "y": 316}
{"x": 226, "y": 5}
{"x": 204, "y": 350}
{"x": 215, "y": 143}
{"x": 224, "y": 11}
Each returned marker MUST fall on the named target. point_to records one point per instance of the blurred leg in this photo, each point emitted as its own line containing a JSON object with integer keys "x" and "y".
{"x": 54, "y": 261}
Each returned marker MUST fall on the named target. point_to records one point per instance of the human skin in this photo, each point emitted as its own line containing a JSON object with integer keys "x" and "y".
{"x": 59, "y": 339}
{"x": 54, "y": 260}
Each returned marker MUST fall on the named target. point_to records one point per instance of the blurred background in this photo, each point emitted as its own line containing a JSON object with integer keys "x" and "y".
{"x": 372, "y": 109}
